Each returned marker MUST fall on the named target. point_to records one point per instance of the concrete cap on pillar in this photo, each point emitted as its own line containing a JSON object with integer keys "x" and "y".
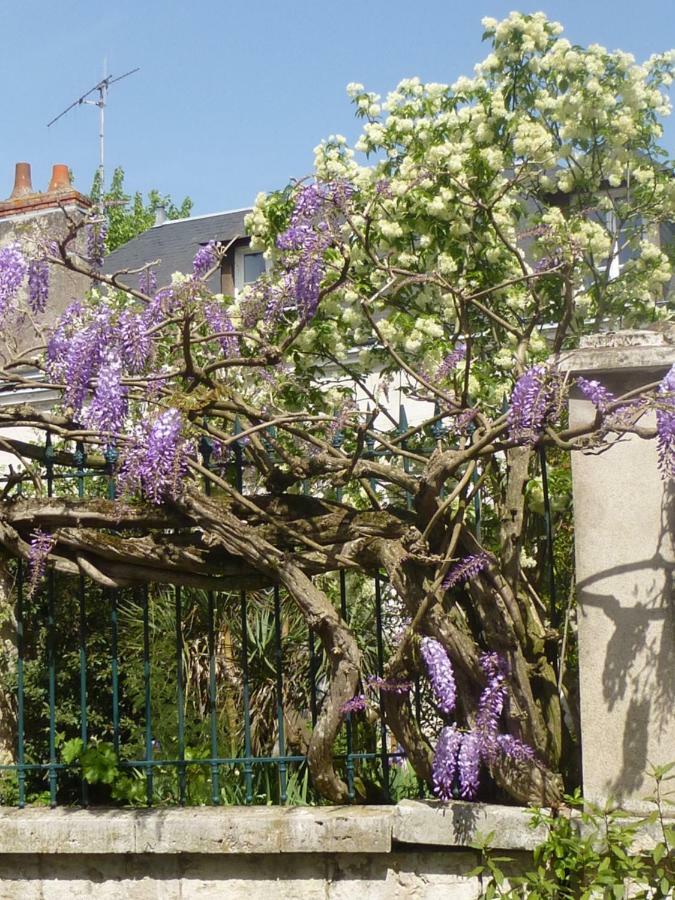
{"x": 60, "y": 179}
{"x": 22, "y": 181}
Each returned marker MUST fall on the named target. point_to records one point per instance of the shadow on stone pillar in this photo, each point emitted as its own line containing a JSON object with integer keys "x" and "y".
{"x": 624, "y": 515}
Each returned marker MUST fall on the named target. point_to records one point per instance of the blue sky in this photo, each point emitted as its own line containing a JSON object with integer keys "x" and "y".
{"x": 232, "y": 97}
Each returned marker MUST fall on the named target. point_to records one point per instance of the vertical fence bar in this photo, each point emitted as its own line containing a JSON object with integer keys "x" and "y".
{"x": 83, "y": 681}
{"x": 418, "y": 718}
{"x": 206, "y": 449}
{"x": 313, "y": 667}
{"x": 147, "y": 686}
{"x": 80, "y": 461}
{"x": 402, "y": 428}
{"x": 51, "y": 640}
{"x": 213, "y": 712}
{"x": 246, "y": 698}
{"x": 348, "y": 724}
{"x": 380, "y": 672}
{"x": 180, "y": 700}
{"x": 20, "y": 695}
{"x": 246, "y": 687}
{"x": 114, "y": 672}
{"x": 279, "y": 662}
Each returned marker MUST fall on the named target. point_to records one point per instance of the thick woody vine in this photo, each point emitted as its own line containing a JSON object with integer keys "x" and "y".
{"x": 465, "y": 243}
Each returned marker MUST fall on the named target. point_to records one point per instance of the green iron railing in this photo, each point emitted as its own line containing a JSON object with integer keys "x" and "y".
{"x": 64, "y": 693}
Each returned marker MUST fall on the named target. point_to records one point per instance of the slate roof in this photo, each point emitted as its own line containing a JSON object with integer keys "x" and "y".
{"x": 175, "y": 243}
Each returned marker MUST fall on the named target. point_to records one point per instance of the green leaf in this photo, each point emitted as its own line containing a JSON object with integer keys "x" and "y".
{"x": 658, "y": 853}
{"x": 71, "y": 751}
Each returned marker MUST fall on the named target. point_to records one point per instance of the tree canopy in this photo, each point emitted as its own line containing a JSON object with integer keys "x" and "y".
{"x": 127, "y": 216}
{"x": 471, "y": 235}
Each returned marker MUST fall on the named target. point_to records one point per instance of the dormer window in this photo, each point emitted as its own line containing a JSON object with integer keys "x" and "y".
{"x": 248, "y": 265}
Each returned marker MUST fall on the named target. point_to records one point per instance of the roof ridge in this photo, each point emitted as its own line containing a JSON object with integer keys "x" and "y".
{"x": 225, "y": 212}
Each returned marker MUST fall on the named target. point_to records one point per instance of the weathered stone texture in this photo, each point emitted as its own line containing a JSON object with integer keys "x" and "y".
{"x": 421, "y": 875}
{"x": 624, "y": 515}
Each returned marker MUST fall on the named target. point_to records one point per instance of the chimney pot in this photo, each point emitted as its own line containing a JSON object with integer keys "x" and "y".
{"x": 60, "y": 179}
{"x": 161, "y": 216}
{"x": 22, "y": 181}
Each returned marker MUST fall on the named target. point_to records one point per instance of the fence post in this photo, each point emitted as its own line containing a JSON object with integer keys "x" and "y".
{"x": 624, "y": 515}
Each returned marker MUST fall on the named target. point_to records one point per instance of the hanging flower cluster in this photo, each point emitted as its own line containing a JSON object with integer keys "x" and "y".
{"x": 38, "y": 284}
{"x": 147, "y": 282}
{"x": 108, "y": 408}
{"x": 41, "y": 545}
{"x": 96, "y": 234}
{"x": 597, "y": 393}
{"x": 440, "y": 673}
{"x": 101, "y": 346}
{"x": 460, "y": 755}
{"x": 534, "y": 403}
{"x": 13, "y": 268}
{"x": 665, "y": 425}
{"x": 205, "y": 259}
{"x": 306, "y": 240}
{"x": 156, "y": 460}
{"x": 450, "y": 362}
{"x": 221, "y": 326}
{"x": 374, "y": 683}
{"x": 466, "y": 569}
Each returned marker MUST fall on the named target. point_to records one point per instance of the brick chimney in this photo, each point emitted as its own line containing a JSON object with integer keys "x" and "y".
{"x": 24, "y": 202}
{"x": 31, "y": 218}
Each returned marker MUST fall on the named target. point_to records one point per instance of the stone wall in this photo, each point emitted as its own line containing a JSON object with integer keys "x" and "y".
{"x": 418, "y": 850}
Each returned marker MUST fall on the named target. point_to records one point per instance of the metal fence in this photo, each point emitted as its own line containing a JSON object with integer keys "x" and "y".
{"x": 176, "y": 696}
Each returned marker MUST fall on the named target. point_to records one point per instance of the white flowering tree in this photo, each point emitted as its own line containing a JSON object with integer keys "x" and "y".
{"x": 470, "y": 236}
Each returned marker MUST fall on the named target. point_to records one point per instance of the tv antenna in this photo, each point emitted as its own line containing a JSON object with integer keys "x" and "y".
{"x": 102, "y": 89}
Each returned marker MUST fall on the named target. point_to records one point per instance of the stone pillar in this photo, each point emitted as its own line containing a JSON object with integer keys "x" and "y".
{"x": 624, "y": 514}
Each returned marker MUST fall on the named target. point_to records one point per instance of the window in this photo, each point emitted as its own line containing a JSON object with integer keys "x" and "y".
{"x": 248, "y": 265}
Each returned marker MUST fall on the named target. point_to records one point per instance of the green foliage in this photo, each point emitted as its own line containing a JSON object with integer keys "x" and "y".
{"x": 589, "y": 852}
{"x": 128, "y": 216}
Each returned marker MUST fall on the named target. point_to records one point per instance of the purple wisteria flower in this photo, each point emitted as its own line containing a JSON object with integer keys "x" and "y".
{"x": 466, "y": 569}
{"x": 491, "y": 704}
{"x": 482, "y": 745}
{"x": 515, "y": 749}
{"x": 306, "y": 244}
{"x": 444, "y": 766}
{"x": 665, "y": 425}
{"x": 205, "y": 259}
{"x": 221, "y": 325}
{"x": 450, "y": 362}
{"x": 135, "y": 340}
{"x": 308, "y": 202}
{"x": 147, "y": 282}
{"x": 97, "y": 232}
{"x": 545, "y": 264}
{"x": 162, "y": 305}
{"x": 108, "y": 408}
{"x": 441, "y": 674}
{"x": 356, "y": 704}
{"x": 41, "y": 545}
{"x": 157, "y": 459}
{"x": 533, "y": 403}
{"x": 599, "y": 396}
{"x": 392, "y": 685}
{"x": 38, "y": 284}
{"x": 306, "y": 240}
{"x": 461, "y": 422}
{"x": 13, "y": 269}
{"x": 469, "y": 762}
{"x": 82, "y": 358}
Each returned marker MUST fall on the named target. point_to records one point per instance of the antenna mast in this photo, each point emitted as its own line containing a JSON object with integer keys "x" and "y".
{"x": 102, "y": 89}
